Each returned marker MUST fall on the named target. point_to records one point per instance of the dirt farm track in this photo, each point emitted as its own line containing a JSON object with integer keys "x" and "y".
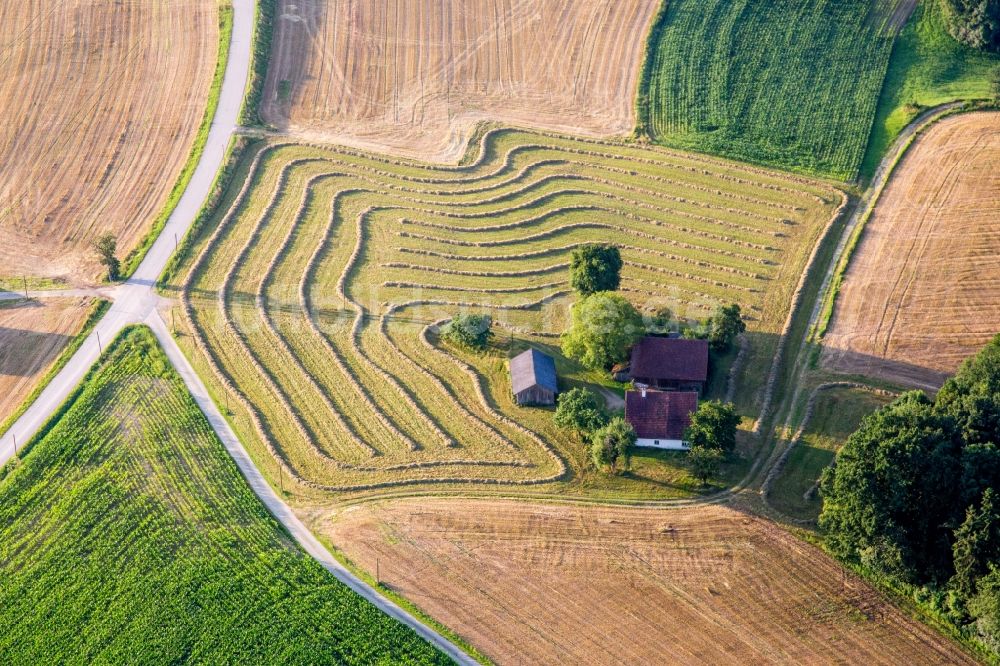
{"x": 100, "y": 104}
{"x": 921, "y": 292}
{"x": 528, "y": 583}
{"x": 413, "y": 76}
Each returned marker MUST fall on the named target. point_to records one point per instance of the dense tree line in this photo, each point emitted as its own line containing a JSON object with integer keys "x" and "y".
{"x": 975, "y": 22}
{"x": 915, "y": 494}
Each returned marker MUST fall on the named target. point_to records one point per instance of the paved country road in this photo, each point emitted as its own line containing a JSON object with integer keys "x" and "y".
{"x": 135, "y": 301}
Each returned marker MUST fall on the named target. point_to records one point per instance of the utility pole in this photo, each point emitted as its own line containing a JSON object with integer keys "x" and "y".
{"x": 175, "y": 242}
{"x": 226, "y": 393}
{"x": 281, "y": 479}
{"x": 100, "y": 347}
{"x": 378, "y": 573}
{"x": 15, "y": 443}
{"x": 25, "y": 285}
{"x": 173, "y": 322}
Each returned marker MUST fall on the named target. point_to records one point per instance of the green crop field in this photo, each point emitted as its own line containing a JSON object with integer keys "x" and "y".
{"x": 793, "y": 83}
{"x": 313, "y": 298}
{"x": 127, "y": 535}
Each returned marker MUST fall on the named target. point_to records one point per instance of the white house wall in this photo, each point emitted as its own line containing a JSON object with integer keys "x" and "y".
{"x": 668, "y": 444}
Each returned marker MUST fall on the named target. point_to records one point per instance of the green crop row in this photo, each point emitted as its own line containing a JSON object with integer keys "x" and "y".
{"x": 127, "y": 535}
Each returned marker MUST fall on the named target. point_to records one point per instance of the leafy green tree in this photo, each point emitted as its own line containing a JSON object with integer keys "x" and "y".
{"x": 977, "y": 543}
{"x": 472, "y": 330}
{"x": 105, "y": 246}
{"x": 974, "y": 22}
{"x": 612, "y": 445}
{"x": 724, "y": 326}
{"x": 891, "y": 496}
{"x": 713, "y": 426}
{"x": 604, "y": 328}
{"x": 579, "y": 410}
{"x": 595, "y": 268}
{"x": 704, "y": 463}
{"x": 985, "y": 607}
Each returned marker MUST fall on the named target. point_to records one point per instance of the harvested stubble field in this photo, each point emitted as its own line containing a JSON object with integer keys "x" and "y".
{"x": 414, "y": 76}
{"x": 127, "y": 535}
{"x": 100, "y": 103}
{"x": 315, "y": 295}
{"x": 921, "y": 292}
{"x": 787, "y": 82}
{"x": 32, "y": 335}
{"x": 527, "y": 583}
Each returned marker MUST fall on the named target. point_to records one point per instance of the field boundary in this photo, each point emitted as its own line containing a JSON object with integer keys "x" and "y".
{"x": 136, "y": 256}
{"x": 643, "y": 121}
{"x": 263, "y": 34}
{"x": 97, "y": 311}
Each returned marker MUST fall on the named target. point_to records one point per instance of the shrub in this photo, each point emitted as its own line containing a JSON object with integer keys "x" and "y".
{"x": 472, "y": 331}
{"x": 713, "y": 426}
{"x": 704, "y": 463}
{"x": 595, "y": 268}
{"x": 975, "y": 23}
{"x": 612, "y": 445}
{"x": 579, "y": 410}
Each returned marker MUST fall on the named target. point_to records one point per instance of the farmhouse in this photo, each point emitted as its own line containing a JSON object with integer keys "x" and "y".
{"x": 671, "y": 364}
{"x": 659, "y": 418}
{"x": 533, "y": 378}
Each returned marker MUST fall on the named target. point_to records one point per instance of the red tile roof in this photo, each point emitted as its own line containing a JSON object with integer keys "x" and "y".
{"x": 661, "y": 414}
{"x": 670, "y": 359}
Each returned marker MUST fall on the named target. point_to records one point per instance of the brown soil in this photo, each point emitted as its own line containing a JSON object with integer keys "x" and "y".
{"x": 414, "y": 76}
{"x": 534, "y": 584}
{"x": 99, "y": 104}
{"x": 922, "y": 293}
{"x": 32, "y": 334}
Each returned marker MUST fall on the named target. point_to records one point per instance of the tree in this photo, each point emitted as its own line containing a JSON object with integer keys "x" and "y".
{"x": 106, "y": 245}
{"x": 612, "y": 444}
{"x": 974, "y": 22}
{"x": 604, "y": 328}
{"x": 890, "y": 499}
{"x": 704, "y": 463}
{"x": 471, "y": 330}
{"x": 713, "y": 426}
{"x": 977, "y": 543}
{"x": 595, "y": 268}
{"x": 985, "y": 607}
{"x": 724, "y": 326}
{"x": 579, "y": 410}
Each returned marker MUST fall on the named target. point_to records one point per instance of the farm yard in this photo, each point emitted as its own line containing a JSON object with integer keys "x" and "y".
{"x": 792, "y": 83}
{"x": 100, "y": 104}
{"x": 315, "y": 296}
{"x": 32, "y": 335}
{"x": 127, "y": 535}
{"x": 919, "y": 295}
{"x": 532, "y": 583}
{"x": 413, "y": 77}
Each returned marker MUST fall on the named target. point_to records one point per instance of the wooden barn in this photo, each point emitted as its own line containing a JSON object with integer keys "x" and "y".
{"x": 533, "y": 378}
{"x": 670, "y": 364}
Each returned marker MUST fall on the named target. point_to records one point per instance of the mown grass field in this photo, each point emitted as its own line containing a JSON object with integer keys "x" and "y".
{"x": 834, "y": 415}
{"x": 792, "y": 83}
{"x": 127, "y": 535}
{"x": 314, "y": 298}
{"x": 928, "y": 67}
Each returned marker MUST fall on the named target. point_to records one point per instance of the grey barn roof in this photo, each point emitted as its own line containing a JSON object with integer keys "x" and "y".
{"x": 533, "y": 368}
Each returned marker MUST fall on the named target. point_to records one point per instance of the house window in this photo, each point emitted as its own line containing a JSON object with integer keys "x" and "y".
{"x": 656, "y": 442}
